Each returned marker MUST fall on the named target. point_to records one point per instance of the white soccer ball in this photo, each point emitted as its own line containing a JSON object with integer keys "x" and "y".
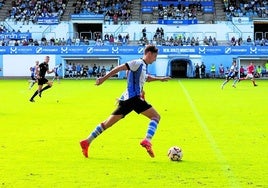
{"x": 175, "y": 153}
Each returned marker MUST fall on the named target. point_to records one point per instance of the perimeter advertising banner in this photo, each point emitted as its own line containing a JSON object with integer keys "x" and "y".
{"x": 135, "y": 50}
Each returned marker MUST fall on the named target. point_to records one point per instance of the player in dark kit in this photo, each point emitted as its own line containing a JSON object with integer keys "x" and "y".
{"x": 41, "y": 73}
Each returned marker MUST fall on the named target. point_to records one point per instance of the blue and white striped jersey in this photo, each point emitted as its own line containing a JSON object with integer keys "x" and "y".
{"x": 137, "y": 75}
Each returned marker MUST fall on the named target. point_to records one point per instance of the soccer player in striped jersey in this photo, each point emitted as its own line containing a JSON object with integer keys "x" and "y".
{"x": 33, "y": 70}
{"x": 232, "y": 74}
{"x": 57, "y": 71}
{"x": 131, "y": 99}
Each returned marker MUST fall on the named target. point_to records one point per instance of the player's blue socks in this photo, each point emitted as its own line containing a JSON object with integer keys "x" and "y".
{"x": 152, "y": 128}
{"x": 99, "y": 129}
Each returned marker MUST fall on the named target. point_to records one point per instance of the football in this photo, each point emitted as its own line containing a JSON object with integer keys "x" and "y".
{"x": 175, "y": 153}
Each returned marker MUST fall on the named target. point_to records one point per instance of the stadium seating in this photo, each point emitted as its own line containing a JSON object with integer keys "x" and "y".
{"x": 24, "y": 17}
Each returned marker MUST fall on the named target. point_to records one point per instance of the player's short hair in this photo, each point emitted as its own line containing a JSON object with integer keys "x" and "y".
{"x": 150, "y": 48}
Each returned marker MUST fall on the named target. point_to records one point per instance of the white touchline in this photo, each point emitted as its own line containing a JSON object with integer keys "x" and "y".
{"x": 225, "y": 166}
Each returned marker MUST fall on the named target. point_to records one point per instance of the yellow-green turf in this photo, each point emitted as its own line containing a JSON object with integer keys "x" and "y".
{"x": 223, "y": 134}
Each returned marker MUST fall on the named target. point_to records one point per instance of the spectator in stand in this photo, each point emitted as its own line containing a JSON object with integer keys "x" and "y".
{"x": 214, "y": 42}
{"x": 249, "y": 41}
{"x": 111, "y": 39}
{"x": 112, "y": 67}
{"x": 25, "y": 11}
{"x": 69, "y": 41}
{"x": 242, "y": 72}
{"x": 266, "y": 67}
{"x": 86, "y": 41}
{"x": 213, "y": 70}
{"x": 77, "y": 41}
{"x": 43, "y": 41}
{"x": 258, "y": 73}
{"x": 197, "y": 41}
{"x": 94, "y": 70}
{"x": 233, "y": 41}
{"x": 197, "y": 71}
{"x": 52, "y": 41}
{"x": 106, "y": 37}
{"x": 210, "y": 40}
{"x": 239, "y": 41}
{"x": 203, "y": 70}
{"x": 192, "y": 41}
{"x": 221, "y": 71}
{"x": 205, "y": 41}
{"x": 78, "y": 71}
{"x": 144, "y": 32}
{"x": 103, "y": 71}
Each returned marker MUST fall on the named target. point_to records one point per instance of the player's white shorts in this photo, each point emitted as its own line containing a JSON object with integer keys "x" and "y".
{"x": 250, "y": 75}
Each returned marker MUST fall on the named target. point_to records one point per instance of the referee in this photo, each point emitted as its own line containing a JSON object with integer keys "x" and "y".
{"x": 41, "y": 73}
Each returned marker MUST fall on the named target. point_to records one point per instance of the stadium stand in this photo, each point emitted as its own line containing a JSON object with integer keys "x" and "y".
{"x": 185, "y": 22}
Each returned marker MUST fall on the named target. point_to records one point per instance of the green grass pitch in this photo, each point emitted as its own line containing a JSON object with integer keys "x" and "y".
{"x": 223, "y": 135}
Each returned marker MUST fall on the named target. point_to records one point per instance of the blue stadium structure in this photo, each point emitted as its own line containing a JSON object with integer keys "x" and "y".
{"x": 88, "y": 32}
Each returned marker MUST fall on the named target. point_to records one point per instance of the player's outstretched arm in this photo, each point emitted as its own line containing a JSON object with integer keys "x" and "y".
{"x": 114, "y": 71}
{"x": 153, "y": 78}
{"x": 50, "y": 71}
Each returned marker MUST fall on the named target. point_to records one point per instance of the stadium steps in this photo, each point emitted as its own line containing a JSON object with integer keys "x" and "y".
{"x": 136, "y": 10}
{"x": 4, "y": 11}
{"x": 219, "y": 10}
{"x": 68, "y": 10}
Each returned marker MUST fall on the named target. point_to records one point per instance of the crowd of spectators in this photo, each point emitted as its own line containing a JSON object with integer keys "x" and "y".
{"x": 78, "y": 71}
{"x": 30, "y": 10}
{"x": 159, "y": 37}
{"x": 97, "y": 40}
{"x": 179, "y": 12}
{"x": 178, "y": 39}
{"x": 114, "y": 11}
{"x": 248, "y": 8}
{"x": 2, "y": 3}
{"x": 248, "y": 42}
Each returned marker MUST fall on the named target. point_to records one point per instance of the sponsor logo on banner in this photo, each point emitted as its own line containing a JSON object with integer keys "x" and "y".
{"x": 228, "y": 50}
{"x": 90, "y": 50}
{"x": 202, "y": 50}
{"x": 53, "y": 50}
{"x": 253, "y": 50}
{"x": 135, "y": 50}
{"x": 115, "y": 50}
{"x": 140, "y": 50}
{"x": 13, "y": 50}
{"x": 126, "y": 50}
{"x": 39, "y": 50}
{"x": 64, "y": 50}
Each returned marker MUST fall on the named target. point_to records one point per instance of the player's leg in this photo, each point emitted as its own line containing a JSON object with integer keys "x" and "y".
{"x": 235, "y": 82}
{"x": 253, "y": 80}
{"x": 154, "y": 117}
{"x": 49, "y": 85}
{"x": 58, "y": 79}
{"x": 112, "y": 119}
{"x": 225, "y": 82}
{"x": 32, "y": 82}
{"x": 154, "y": 120}
{"x": 97, "y": 131}
{"x": 244, "y": 78}
{"x": 37, "y": 91}
{"x": 55, "y": 76}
